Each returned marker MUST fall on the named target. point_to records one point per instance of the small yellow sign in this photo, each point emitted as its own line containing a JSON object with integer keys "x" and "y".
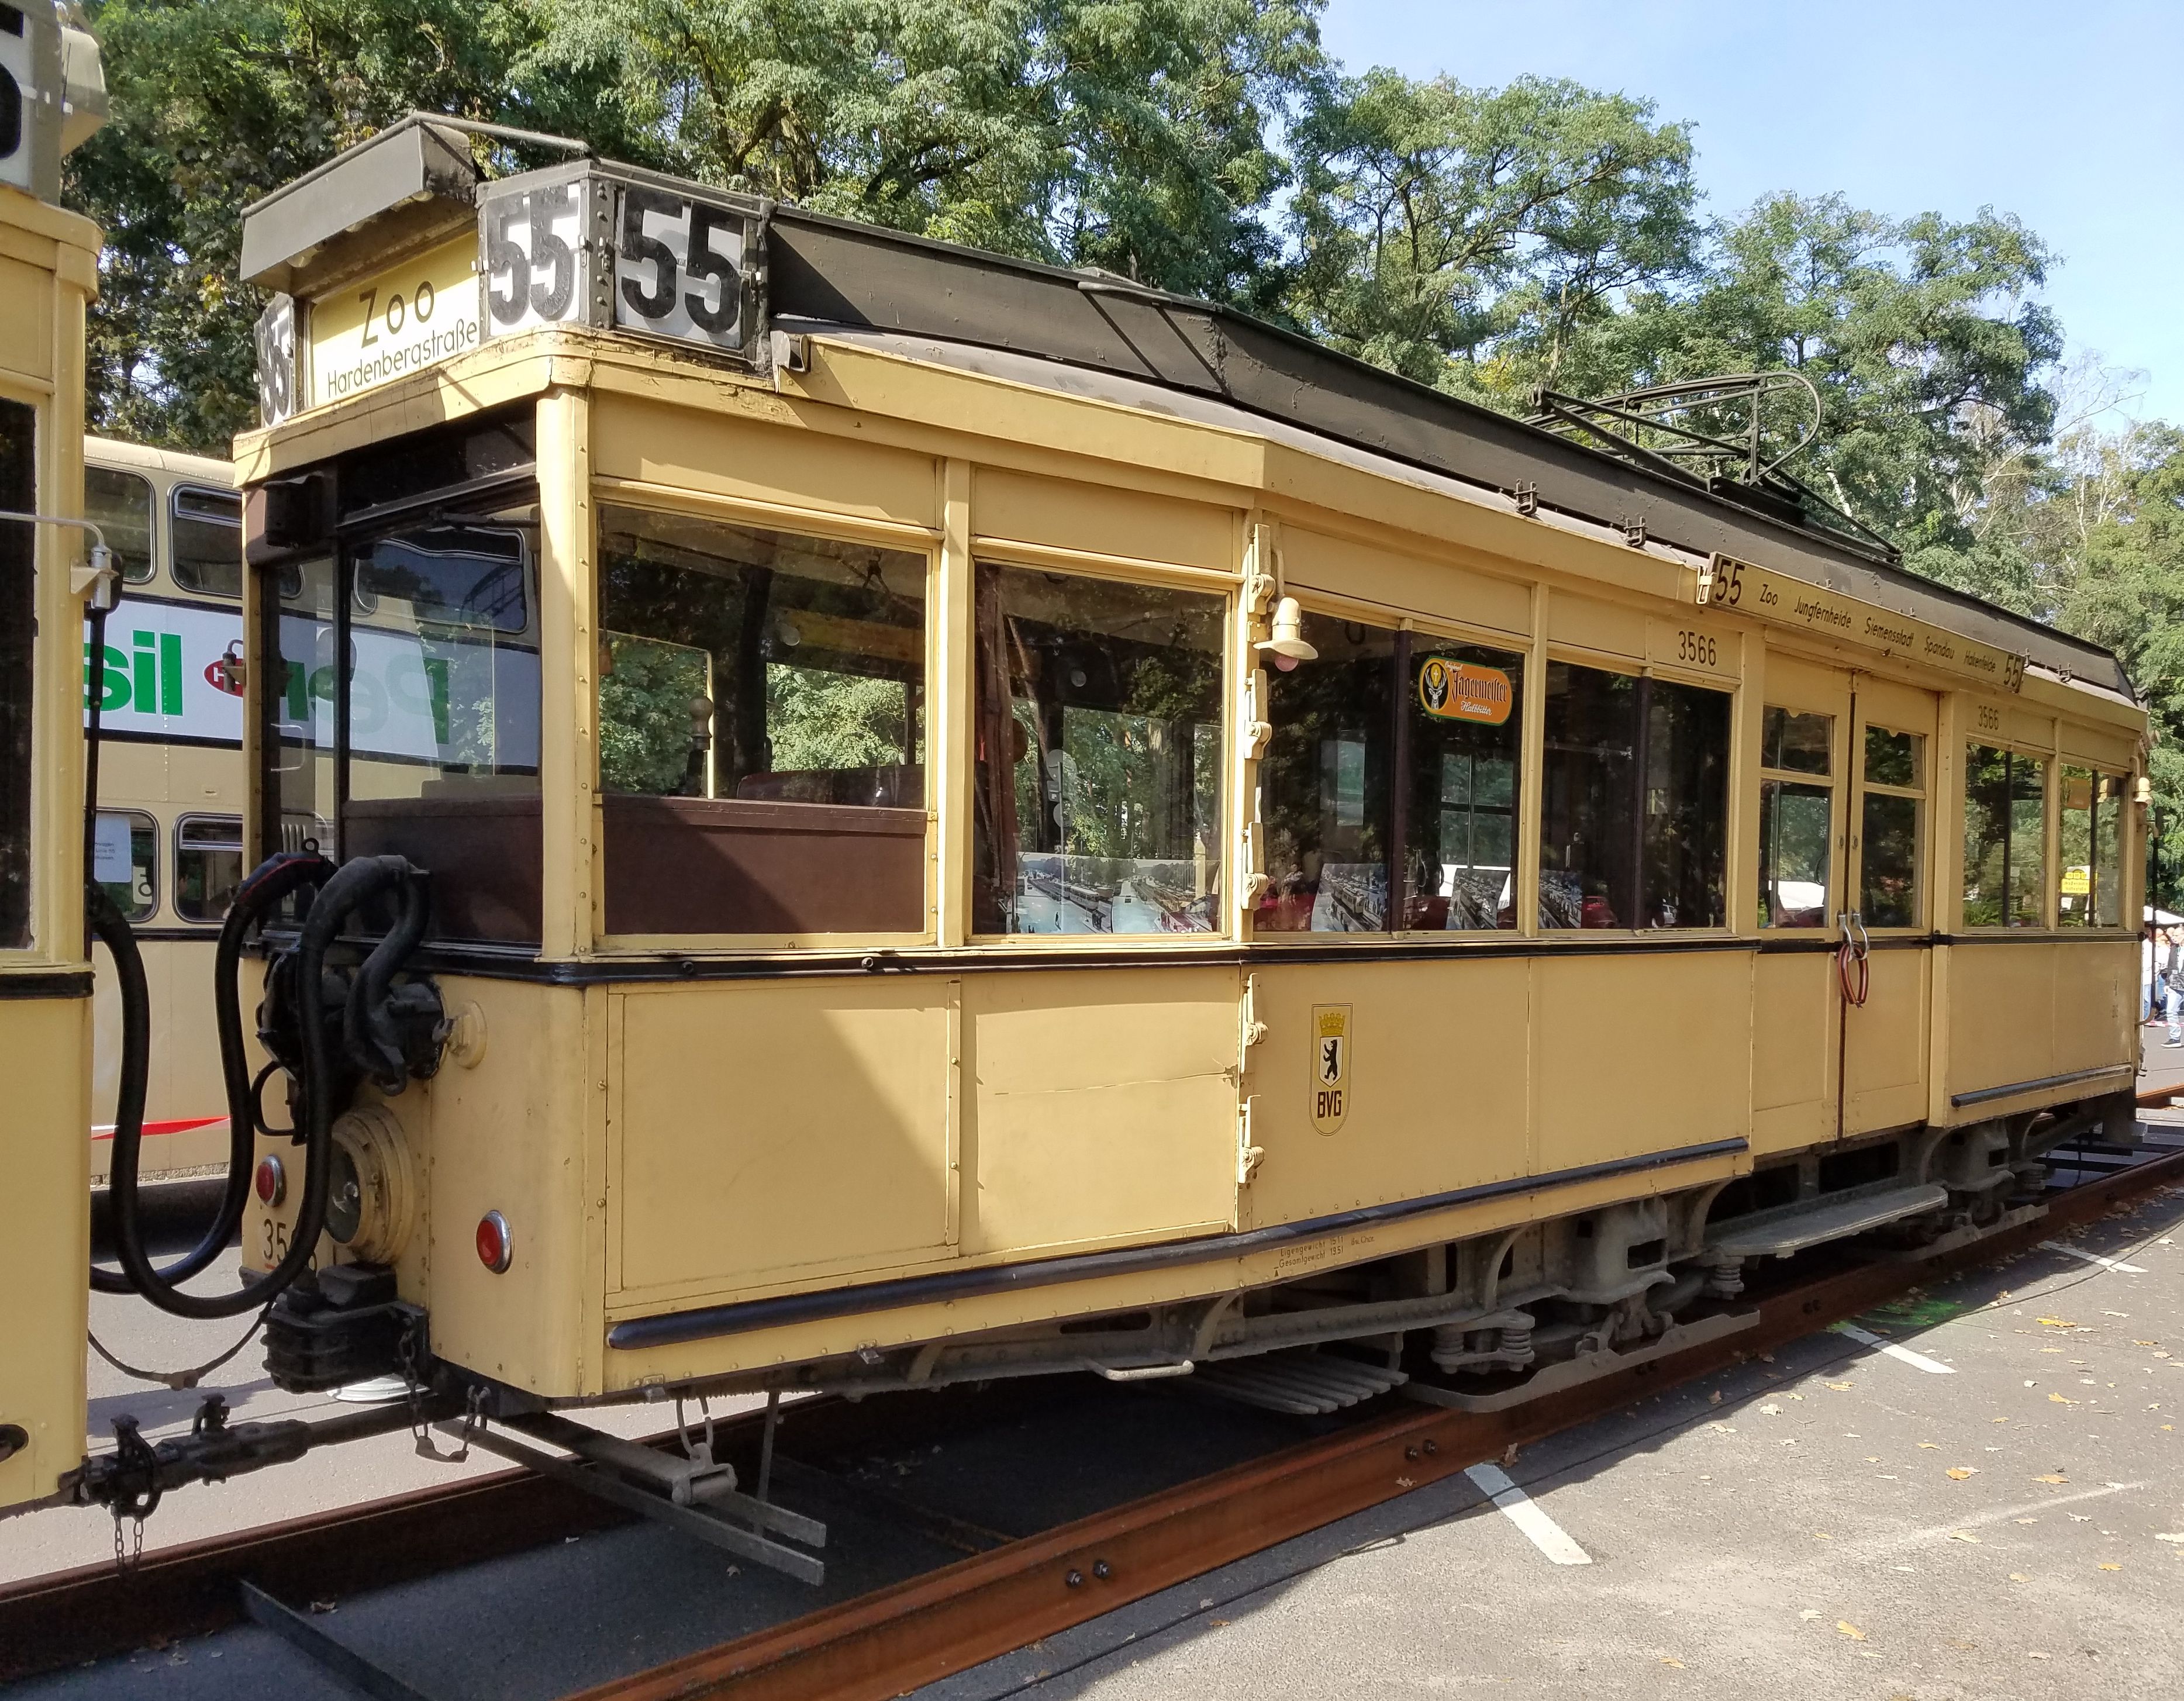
{"x": 410, "y": 316}
{"x": 1330, "y": 1066}
{"x": 1453, "y": 690}
{"x": 2077, "y": 882}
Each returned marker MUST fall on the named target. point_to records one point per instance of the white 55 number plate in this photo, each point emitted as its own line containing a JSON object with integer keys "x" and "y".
{"x": 678, "y": 267}
{"x": 534, "y": 257}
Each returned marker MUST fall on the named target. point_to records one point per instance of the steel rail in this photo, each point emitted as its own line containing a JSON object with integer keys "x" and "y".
{"x": 915, "y": 1632}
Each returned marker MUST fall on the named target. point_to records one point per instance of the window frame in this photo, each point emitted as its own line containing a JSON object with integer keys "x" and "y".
{"x": 1236, "y": 667}
{"x": 1920, "y": 794}
{"x": 137, "y": 917}
{"x": 605, "y": 491}
{"x": 154, "y": 511}
{"x": 170, "y": 516}
{"x": 1834, "y": 893}
{"x": 2014, "y": 753}
{"x": 2065, "y": 765}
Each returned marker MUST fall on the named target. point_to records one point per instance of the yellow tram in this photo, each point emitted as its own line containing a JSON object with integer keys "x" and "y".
{"x": 167, "y": 843}
{"x": 906, "y": 817}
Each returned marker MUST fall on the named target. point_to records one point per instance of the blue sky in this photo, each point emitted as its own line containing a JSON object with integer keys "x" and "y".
{"x": 2068, "y": 116}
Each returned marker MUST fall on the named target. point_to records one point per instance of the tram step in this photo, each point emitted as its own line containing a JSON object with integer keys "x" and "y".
{"x": 1789, "y": 1228}
{"x": 1305, "y": 1382}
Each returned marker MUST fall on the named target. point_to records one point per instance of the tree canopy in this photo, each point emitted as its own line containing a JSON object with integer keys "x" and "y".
{"x": 1486, "y": 241}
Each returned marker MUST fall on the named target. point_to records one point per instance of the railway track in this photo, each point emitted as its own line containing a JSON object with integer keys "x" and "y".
{"x": 1002, "y": 1594}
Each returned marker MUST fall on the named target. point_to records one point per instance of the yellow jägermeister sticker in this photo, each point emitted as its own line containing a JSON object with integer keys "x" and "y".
{"x": 1330, "y": 1066}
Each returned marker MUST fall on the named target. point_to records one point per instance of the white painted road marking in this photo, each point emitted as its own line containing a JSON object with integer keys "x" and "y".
{"x": 2093, "y": 1258}
{"x": 1544, "y": 1534}
{"x": 1894, "y": 1351}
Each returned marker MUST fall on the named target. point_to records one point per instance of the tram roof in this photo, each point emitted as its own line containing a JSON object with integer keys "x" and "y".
{"x": 1147, "y": 347}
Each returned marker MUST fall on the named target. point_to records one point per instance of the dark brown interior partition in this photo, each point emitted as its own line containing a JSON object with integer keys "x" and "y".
{"x": 483, "y": 854}
{"x": 697, "y": 865}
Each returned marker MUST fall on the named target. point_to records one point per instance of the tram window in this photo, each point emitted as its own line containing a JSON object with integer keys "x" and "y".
{"x": 2005, "y": 839}
{"x": 205, "y": 540}
{"x": 124, "y": 861}
{"x": 1324, "y": 782}
{"x": 1460, "y": 830}
{"x": 1634, "y": 802}
{"x": 299, "y": 743}
{"x": 1888, "y": 833}
{"x": 761, "y": 730}
{"x": 1098, "y": 801}
{"x": 2089, "y": 891}
{"x": 19, "y": 603}
{"x": 443, "y": 680}
{"x": 207, "y": 866}
{"x": 1796, "y": 817}
{"x": 120, "y": 503}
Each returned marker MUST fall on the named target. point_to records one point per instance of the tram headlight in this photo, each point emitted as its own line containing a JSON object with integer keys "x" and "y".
{"x": 372, "y": 1196}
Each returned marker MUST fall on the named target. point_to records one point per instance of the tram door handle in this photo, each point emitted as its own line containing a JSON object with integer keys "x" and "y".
{"x": 1851, "y": 970}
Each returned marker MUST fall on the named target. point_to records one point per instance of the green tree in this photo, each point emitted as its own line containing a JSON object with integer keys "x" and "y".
{"x": 1482, "y": 240}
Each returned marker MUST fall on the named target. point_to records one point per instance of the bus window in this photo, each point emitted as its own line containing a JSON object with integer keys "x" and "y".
{"x": 1634, "y": 802}
{"x": 19, "y": 603}
{"x": 2089, "y": 892}
{"x": 120, "y": 503}
{"x": 1098, "y": 802}
{"x": 206, "y": 540}
{"x": 762, "y": 713}
{"x": 1796, "y": 817}
{"x": 125, "y": 854}
{"x": 207, "y": 866}
{"x": 2005, "y": 838}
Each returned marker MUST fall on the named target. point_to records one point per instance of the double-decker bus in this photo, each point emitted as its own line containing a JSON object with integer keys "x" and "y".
{"x": 168, "y": 844}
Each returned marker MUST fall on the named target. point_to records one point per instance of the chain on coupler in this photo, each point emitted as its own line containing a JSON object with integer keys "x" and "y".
{"x": 135, "y": 1484}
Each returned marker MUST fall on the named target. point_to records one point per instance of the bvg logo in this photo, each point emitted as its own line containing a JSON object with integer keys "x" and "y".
{"x": 1330, "y": 1066}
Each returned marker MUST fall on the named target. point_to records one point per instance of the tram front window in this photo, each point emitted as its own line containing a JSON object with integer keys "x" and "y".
{"x": 1098, "y": 804}
{"x": 761, "y": 730}
{"x": 1634, "y": 802}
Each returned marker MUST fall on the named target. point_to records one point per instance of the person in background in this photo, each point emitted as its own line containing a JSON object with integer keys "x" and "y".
{"x": 2145, "y": 976}
{"x": 2171, "y": 965}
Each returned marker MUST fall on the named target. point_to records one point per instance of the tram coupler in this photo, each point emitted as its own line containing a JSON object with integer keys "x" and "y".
{"x": 341, "y": 1324}
{"x": 130, "y": 1480}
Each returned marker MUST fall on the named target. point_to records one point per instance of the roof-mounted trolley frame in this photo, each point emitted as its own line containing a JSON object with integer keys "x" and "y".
{"x": 984, "y": 818}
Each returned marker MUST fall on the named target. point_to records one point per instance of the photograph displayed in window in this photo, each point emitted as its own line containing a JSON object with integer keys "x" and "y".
{"x": 19, "y": 607}
{"x": 443, "y": 680}
{"x": 1888, "y": 833}
{"x": 1634, "y": 802}
{"x": 2005, "y": 838}
{"x": 1796, "y": 817}
{"x": 1463, "y": 752}
{"x": 206, "y": 537}
{"x": 207, "y": 866}
{"x": 762, "y": 729}
{"x": 2089, "y": 890}
{"x": 120, "y": 503}
{"x": 1098, "y": 804}
{"x": 124, "y": 861}
{"x": 1323, "y": 781}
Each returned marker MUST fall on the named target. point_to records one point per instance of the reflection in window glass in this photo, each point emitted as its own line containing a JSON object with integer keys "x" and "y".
{"x": 1888, "y": 831}
{"x": 443, "y": 675}
{"x": 1323, "y": 787}
{"x": 2005, "y": 839}
{"x": 205, "y": 538}
{"x": 1100, "y": 756}
{"x": 120, "y": 503}
{"x": 1634, "y": 804}
{"x": 1460, "y": 852}
{"x": 19, "y": 601}
{"x": 1795, "y": 823}
{"x": 124, "y": 861}
{"x": 207, "y": 866}
{"x": 299, "y": 701}
{"x": 1894, "y": 758}
{"x": 2089, "y": 886}
{"x": 1795, "y": 743}
{"x": 741, "y": 663}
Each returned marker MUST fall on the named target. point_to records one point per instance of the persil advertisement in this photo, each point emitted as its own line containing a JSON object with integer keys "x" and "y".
{"x": 456, "y": 703}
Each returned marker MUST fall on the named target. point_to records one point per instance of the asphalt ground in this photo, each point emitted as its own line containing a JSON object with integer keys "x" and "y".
{"x": 1829, "y": 1521}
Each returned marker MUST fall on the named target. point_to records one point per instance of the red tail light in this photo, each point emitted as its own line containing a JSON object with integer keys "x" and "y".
{"x": 271, "y": 1180}
{"x": 496, "y": 1247}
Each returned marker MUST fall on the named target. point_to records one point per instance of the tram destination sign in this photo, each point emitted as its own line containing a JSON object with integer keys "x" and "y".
{"x": 1768, "y": 595}
{"x": 592, "y": 244}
